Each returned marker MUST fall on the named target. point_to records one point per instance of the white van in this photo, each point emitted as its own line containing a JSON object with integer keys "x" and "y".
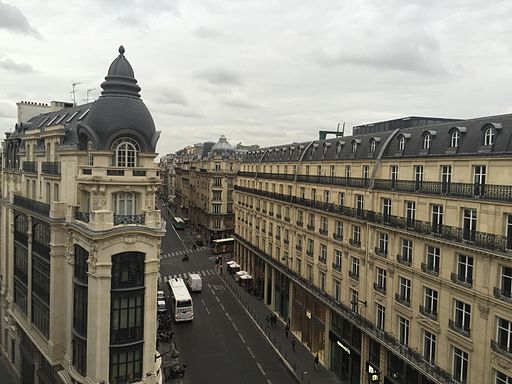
{"x": 194, "y": 282}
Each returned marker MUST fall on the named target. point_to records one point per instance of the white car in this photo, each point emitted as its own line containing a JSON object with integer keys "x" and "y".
{"x": 161, "y": 307}
{"x": 160, "y": 295}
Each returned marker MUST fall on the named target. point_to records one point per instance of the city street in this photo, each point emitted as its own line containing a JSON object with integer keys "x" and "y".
{"x": 221, "y": 344}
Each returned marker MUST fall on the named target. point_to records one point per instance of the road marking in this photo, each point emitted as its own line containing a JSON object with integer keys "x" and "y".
{"x": 241, "y": 337}
{"x": 217, "y": 299}
{"x": 250, "y": 352}
{"x": 268, "y": 381}
{"x": 261, "y": 369}
{"x": 205, "y": 307}
{"x": 229, "y": 317}
{"x": 224, "y": 309}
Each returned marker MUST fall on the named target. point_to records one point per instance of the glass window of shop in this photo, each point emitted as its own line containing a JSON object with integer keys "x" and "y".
{"x": 345, "y": 346}
{"x": 399, "y": 372}
{"x": 282, "y": 295}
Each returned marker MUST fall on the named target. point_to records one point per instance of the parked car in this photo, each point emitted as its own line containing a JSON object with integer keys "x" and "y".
{"x": 160, "y": 295}
{"x": 161, "y": 307}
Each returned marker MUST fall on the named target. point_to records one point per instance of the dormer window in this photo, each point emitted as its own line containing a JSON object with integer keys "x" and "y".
{"x": 455, "y": 138}
{"x": 427, "y": 140}
{"x": 373, "y": 146}
{"x": 489, "y": 136}
{"x": 338, "y": 147}
{"x": 126, "y": 150}
{"x": 401, "y": 143}
{"x": 354, "y": 146}
{"x": 325, "y": 148}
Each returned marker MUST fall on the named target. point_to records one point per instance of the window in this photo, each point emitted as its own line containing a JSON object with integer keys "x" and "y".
{"x": 406, "y": 256}
{"x": 338, "y": 148}
{"x": 465, "y": 269}
{"x": 506, "y": 281}
{"x": 381, "y": 279}
{"x": 339, "y": 230}
{"x": 126, "y": 150}
{"x": 437, "y": 219}
{"x": 386, "y": 210}
{"x": 332, "y": 171}
{"x": 313, "y": 194}
{"x": 373, "y": 146}
{"x": 432, "y": 259}
{"x": 354, "y": 267}
{"x": 469, "y": 224}
{"x": 341, "y": 203}
{"x": 460, "y": 365}
{"x": 354, "y": 300}
{"x": 509, "y": 231}
{"x": 356, "y": 235}
{"x": 393, "y": 174}
{"x": 404, "y": 290}
{"x": 383, "y": 244}
{"x": 380, "y": 316}
{"x": 216, "y": 208}
{"x": 300, "y": 217}
{"x": 321, "y": 280}
{"x": 401, "y": 143}
{"x": 337, "y": 290}
{"x": 410, "y": 213}
{"x": 310, "y": 273}
{"x": 430, "y": 301}
{"x": 501, "y": 378}
{"x": 354, "y": 146}
{"x": 324, "y": 225}
{"x": 455, "y": 138}
{"x": 504, "y": 334}
{"x": 311, "y": 221}
{"x": 446, "y": 178}
{"x": 479, "y": 173}
{"x": 310, "y": 245}
{"x": 366, "y": 172}
{"x": 347, "y": 171}
{"x": 337, "y": 258}
{"x": 326, "y": 196}
{"x": 128, "y": 270}
{"x": 403, "y": 330}
{"x": 429, "y": 346}
{"x": 462, "y": 316}
{"x": 359, "y": 204}
{"x": 323, "y": 253}
{"x": 489, "y": 136}
{"x": 126, "y": 364}
{"x": 418, "y": 175}
{"x": 124, "y": 203}
{"x": 427, "y": 140}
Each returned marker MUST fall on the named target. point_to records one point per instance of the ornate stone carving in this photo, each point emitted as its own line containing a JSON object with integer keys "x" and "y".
{"x": 391, "y": 273}
{"x": 130, "y": 240}
{"x": 99, "y": 196}
{"x": 69, "y": 247}
{"x": 504, "y": 363}
{"x": 484, "y": 310}
{"x": 93, "y": 259}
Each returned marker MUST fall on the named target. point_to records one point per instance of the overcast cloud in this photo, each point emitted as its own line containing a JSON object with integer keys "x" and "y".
{"x": 264, "y": 72}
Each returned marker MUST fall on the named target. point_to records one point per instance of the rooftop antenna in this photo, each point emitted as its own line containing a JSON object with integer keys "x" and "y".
{"x": 73, "y": 91}
{"x": 87, "y": 94}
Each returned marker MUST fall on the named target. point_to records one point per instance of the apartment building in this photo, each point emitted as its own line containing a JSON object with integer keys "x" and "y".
{"x": 388, "y": 252}
{"x": 205, "y": 179}
{"x": 80, "y": 239}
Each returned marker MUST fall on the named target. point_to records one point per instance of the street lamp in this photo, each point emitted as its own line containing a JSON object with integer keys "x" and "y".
{"x": 355, "y": 302}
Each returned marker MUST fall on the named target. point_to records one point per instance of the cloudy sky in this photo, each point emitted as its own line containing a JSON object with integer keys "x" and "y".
{"x": 264, "y": 71}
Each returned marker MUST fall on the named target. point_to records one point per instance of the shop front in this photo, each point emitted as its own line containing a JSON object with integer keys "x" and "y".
{"x": 345, "y": 348}
{"x": 308, "y": 321}
{"x": 399, "y": 372}
{"x": 282, "y": 295}
{"x": 259, "y": 277}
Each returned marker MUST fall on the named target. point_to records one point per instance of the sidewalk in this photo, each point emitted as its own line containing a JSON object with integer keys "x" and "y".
{"x": 299, "y": 362}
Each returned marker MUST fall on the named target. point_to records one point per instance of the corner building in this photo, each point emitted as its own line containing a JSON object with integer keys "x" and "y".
{"x": 388, "y": 251}
{"x": 80, "y": 239}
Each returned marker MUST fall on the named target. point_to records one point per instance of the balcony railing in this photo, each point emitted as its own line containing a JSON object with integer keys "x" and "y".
{"x": 323, "y": 260}
{"x": 336, "y": 266}
{"x": 404, "y": 300}
{"x": 81, "y": 216}
{"x": 355, "y": 243}
{"x": 413, "y": 357}
{"x": 337, "y": 236}
{"x": 278, "y": 216}
{"x": 323, "y": 232}
{"x": 298, "y": 248}
{"x": 428, "y": 313}
{"x": 30, "y": 166}
{"x": 465, "y": 281}
{"x": 32, "y": 205}
{"x": 430, "y": 269}
{"x": 379, "y": 288}
{"x": 494, "y": 192}
{"x": 502, "y": 294}
{"x": 310, "y": 227}
{"x": 404, "y": 260}
{"x": 489, "y": 241}
{"x": 300, "y": 223}
{"x": 381, "y": 252}
{"x": 459, "y": 328}
{"x": 501, "y": 348}
{"x": 129, "y": 219}
{"x": 353, "y": 275}
{"x": 309, "y": 253}
{"x": 50, "y": 167}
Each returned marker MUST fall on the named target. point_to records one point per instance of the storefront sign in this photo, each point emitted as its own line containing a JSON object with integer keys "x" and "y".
{"x": 373, "y": 373}
{"x": 308, "y": 314}
{"x": 346, "y": 349}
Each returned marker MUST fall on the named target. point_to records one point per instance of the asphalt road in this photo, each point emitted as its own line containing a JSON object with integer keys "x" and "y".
{"x": 221, "y": 344}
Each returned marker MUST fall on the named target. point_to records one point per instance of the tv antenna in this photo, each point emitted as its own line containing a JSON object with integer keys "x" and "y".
{"x": 73, "y": 85}
{"x": 87, "y": 94}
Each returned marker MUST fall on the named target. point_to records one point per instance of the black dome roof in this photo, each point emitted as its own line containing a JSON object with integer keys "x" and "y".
{"x": 119, "y": 111}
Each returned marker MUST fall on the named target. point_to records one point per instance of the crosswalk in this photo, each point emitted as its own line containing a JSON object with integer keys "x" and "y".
{"x": 184, "y": 275}
{"x": 181, "y": 252}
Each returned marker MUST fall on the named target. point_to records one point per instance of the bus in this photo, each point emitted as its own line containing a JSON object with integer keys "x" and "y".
{"x": 223, "y": 245}
{"x": 181, "y": 300}
{"x": 178, "y": 223}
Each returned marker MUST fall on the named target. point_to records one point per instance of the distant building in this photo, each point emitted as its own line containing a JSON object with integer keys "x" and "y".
{"x": 388, "y": 251}
{"x": 80, "y": 239}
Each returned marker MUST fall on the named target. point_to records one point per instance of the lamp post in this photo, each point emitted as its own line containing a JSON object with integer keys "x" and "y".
{"x": 356, "y": 302}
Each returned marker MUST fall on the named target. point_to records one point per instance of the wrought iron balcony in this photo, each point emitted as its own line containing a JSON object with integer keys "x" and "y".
{"x": 310, "y": 227}
{"x": 81, "y": 216}
{"x": 430, "y": 269}
{"x": 379, "y": 288}
{"x": 466, "y": 281}
{"x": 298, "y": 248}
{"x": 459, "y": 328}
{"x": 286, "y": 241}
{"x": 50, "y": 167}
{"x": 502, "y": 294}
{"x": 309, "y": 252}
{"x": 278, "y": 216}
{"x": 381, "y": 252}
{"x": 30, "y": 166}
{"x": 489, "y": 241}
{"x": 337, "y": 236}
{"x": 32, "y": 205}
{"x": 129, "y": 219}
{"x": 278, "y": 237}
{"x": 323, "y": 260}
{"x": 428, "y": 313}
{"x": 402, "y": 299}
{"x": 413, "y": 357}
{"x": 323, "y": 231}
{"x": 300, "y": 224}
{"x": 353, "y": 275}
{"x": 336, "y": 267}
{"x": 287, "y": 219}
{"x": 355, "y": 243}
{"x": 404, "y": 260}
{"x": 501, "y": 348}
{"x": 21, "y": 237}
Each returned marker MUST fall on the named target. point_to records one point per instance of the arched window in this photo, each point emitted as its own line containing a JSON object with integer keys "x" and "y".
{"x": 126, "y": 150}
{"x": 454, "y": 142}
{"x": 401, "y": 143}
{"x": 427, "y": 140}
{"x": 354, "y": 146}
{"x": 489, "y": 136}
{"x": 373, "y": 146}
{"x": 21, "y": 224}
{"x": 124, "y": 203}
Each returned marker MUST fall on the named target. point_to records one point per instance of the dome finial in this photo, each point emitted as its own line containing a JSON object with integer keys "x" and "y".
{"x": 121, "y": 50}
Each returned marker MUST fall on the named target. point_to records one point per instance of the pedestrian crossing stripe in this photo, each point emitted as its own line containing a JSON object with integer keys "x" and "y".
{"x": 184, "y": 275}
{"x": 181, "y": 252}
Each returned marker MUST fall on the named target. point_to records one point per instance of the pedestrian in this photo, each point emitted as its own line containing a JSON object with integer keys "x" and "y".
{"x": 293, "y": 343}
{"x": 316, "y": 362}
{"x": 286, "y": 329}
